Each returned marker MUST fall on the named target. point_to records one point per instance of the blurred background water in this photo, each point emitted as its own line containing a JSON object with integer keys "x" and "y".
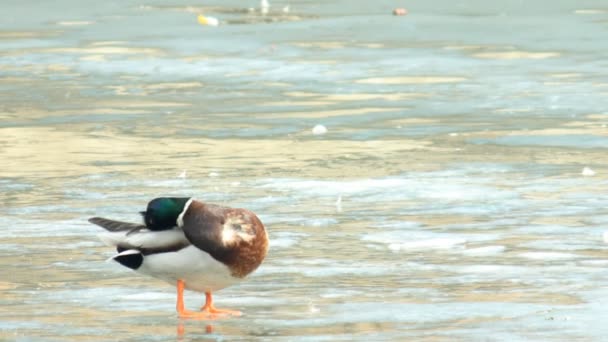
{"x": 446, "y": 201}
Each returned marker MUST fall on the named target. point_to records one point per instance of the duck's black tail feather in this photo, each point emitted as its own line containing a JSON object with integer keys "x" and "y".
{"x": 129, "y": 258}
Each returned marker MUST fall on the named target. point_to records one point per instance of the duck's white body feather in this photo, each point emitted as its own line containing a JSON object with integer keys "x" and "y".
{"x": 196, "y": 268}
{"x": 199, "y": 271}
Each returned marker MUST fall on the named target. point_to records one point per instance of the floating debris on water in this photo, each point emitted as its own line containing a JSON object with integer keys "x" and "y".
{"x": 587, "y": 172}
{"x": 319, "y": 130}
{"x": 183, "y": 175}
{"x": 207, "y": 21}
{"x": 399, "y": 11}
{"x": 264, "y": 6}
{"x": 312, "y": 308}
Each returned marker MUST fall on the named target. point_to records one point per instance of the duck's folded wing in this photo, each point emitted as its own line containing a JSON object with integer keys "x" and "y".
{"x": 126, "y": 236}
{"x": 115, "y": 226}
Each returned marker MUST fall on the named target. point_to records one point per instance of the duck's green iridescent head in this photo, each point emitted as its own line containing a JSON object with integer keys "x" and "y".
{"x": 162, "y": 212}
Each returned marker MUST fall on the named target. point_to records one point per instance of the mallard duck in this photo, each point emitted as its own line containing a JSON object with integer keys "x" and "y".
{"x": 198, "y": 246}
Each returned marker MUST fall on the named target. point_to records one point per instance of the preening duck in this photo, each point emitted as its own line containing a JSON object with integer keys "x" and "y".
{"x": 197, "y": 246}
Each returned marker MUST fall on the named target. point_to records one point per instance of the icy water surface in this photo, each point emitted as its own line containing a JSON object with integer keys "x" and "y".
{"x": 446, "y": 201}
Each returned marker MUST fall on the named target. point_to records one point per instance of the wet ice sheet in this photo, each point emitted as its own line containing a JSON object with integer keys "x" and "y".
{"x": 424, "y": 264}
{"x": 434, "y": 274}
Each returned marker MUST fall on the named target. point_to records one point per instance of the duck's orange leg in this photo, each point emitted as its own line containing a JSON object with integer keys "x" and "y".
{"x": 208, "y": 311}
{"x": 212, "y": 310}
{"x": 181, "y": 310}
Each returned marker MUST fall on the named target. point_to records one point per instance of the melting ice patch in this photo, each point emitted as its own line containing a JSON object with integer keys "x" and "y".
{"x": 38, "y": 228}
{"x": 549, "y": 256}
{"x": 333, "y": 188}
{"x": 321, "y": 268}
{"x": 84, "y": 194}
{"x": 340, "y": 293}
{"x": 491, "y": 269}
{"x": 418, "y": 240}
{"x": 432, "y": 187}
{"x": 328, "y": 270}
{"x": 564, "y": 140}
{"x": 320, "y": 222}
{"x": 575, "y": 243}
{"x": 148, "y": 296}
{"x": 552, "y": 229}
{"x": 254, "y": 300}
{"x": 484, "y": 251}
{"x": 285, "y": 239}
{"x": 409, "y": 312}
{"x": 14, "y": 185}
{"x": 302, "y": 221}
{"x": 164, "y": 69}
{"x": 398, "y": 225}
{"x": 434, "y": 243}
{"x": 115, "y": 298}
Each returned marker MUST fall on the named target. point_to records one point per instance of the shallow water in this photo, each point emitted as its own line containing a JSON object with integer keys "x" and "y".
{"x": 446, "y": 202}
